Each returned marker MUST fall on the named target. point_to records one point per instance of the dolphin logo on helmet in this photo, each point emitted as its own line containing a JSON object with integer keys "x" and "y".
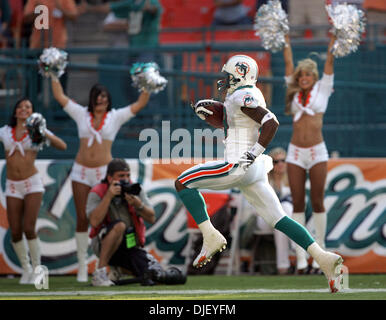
{"x": 241, "y": 71}
{"x": 242, "y": 68}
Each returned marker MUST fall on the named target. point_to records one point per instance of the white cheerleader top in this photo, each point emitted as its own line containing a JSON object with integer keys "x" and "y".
{"x": 109, "y": 127}
{"x": 317, "y": 100}
{"x": 8, "y": 137}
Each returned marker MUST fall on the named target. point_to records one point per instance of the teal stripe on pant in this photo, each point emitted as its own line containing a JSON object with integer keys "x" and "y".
{"x": 202, "y": 168}
{"x": 210, "y": 176}
{"x": 295, "y": 231}
{"x": 195, "y": 203}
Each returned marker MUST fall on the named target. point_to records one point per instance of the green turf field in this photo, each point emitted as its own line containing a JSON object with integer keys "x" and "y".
{"x": 212, "y": 287}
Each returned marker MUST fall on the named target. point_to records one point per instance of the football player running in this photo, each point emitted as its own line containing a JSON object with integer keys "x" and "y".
{"x": 245, "y": 167}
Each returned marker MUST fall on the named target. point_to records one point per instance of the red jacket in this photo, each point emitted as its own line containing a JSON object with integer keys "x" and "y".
{"x": 139, "y": 225}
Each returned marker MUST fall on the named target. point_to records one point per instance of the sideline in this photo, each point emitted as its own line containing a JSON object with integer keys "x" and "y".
{"x": 177, "y": 292}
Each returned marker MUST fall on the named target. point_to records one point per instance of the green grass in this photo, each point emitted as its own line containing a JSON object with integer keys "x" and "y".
{"x": 213, "y": 287}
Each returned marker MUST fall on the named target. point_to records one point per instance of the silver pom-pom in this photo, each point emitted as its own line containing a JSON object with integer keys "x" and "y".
{"x": 271, "y": 24}
{"x": 348, "y": 25}
{"x": 146, "y": 76}
{"x": 36, "y": 127}
{"x": 53, "y": 62}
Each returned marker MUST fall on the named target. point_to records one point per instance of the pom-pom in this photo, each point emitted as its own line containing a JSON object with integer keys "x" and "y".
{"x": 348, "y": 25}
{"x": 146, "y": 76}
{"x": 271, "y": 24}
{"x": 53, "y": 62}
{"x": 36, "y": 127}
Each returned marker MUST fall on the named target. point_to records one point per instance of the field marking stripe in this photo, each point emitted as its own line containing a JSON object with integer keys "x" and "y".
{"x": 177, "y": 292}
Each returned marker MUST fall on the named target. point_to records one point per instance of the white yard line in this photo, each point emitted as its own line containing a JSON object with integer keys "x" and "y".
{"x": 174, "y": 292}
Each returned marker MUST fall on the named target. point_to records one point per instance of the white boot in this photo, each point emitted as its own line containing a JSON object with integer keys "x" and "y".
{"x": 34, "y": 251}
{"x": 82, "y": 246}
{"x": 301, "y": 260}
{"x": 22, "y": 254}
{"x": 330, "y": 263}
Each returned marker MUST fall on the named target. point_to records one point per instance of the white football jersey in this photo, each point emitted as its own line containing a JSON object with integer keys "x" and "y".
{"x": 241, "y": 132}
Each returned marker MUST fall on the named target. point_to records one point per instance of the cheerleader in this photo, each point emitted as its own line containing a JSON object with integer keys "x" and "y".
{"x": 24, "y": 186}
{"x": 306, "y": 101}
{"x": 98, "y": 124}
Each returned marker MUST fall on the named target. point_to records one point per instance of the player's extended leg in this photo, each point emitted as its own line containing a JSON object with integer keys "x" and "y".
{"x": 267, "y": 204}
{"x": 318, "y": 174}
{"x": 330, "y": 263}
{"x": 264, "y": 199}
{"x": 213, "y": 240}
{"x": 210, "y": 175}
{"x": 297, "y": 180}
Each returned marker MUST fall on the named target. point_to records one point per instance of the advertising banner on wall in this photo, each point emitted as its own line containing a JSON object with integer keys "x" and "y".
{"x": 356, "y": 206}
{"x": 355, "y": 202}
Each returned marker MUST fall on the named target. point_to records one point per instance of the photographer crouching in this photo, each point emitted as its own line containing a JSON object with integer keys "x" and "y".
{"x": 117, "y": 209}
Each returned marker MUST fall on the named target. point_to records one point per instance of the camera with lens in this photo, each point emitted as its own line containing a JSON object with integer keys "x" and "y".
{"x": 129, "y": 188}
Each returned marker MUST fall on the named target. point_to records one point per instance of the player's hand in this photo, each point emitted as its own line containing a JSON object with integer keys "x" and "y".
{"x": 246, "y": 160}
{"x": 200, "y": 110}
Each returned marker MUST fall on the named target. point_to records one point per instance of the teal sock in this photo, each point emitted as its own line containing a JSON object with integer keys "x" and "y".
{"x": 195, "y": 203}
{"x": 295, "y": 231}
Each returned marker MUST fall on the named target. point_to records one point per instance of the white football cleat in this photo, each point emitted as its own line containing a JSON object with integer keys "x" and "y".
{"x": 213, "y": 243}
{"x": 331, "y": 265}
